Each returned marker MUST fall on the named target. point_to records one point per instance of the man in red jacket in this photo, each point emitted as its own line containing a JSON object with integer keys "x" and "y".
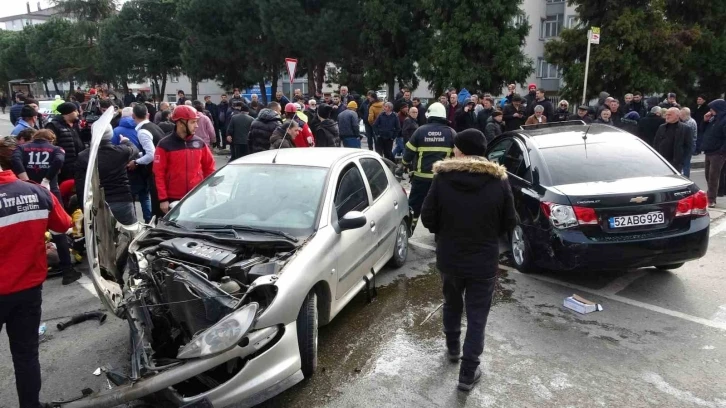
{"x": 26, "y": 210}
{"x": 182, "y": 160}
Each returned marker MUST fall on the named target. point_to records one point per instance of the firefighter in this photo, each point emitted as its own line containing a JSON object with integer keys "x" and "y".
{"x": 430, "y": 143}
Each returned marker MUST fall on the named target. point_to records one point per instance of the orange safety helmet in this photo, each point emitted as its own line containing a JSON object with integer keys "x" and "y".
{"x": 184, "y": 112}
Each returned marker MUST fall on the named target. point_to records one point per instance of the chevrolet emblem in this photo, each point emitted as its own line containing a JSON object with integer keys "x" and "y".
{"x": 638, "y": 200}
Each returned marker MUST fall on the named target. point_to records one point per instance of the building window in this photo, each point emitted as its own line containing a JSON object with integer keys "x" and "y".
{"x": 519, "y": 20}
{"x": 551, "y": 26}
{"x": 546, "y": 70}
{"x": 171, "y": 98}
{"x": 555, "y": 1}
{"x": 572, "y": 21}
{"x": 174, "y": 79}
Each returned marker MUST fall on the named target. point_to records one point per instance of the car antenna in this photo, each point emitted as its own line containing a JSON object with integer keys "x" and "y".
{"x": 584, "y": 138}
{"x": 284, "y": 135}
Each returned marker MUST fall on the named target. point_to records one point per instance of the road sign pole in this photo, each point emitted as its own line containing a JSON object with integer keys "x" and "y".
{"x": 587, "y": 66}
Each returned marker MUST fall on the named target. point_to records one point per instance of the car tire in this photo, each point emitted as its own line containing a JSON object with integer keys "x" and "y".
{"x": 521, "y": 251}
{"x": 307, "y": 334}
{"x": 670, "y": 266}
{"x": 400, "y": 246}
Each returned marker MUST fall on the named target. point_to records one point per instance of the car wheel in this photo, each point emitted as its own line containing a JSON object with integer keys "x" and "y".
{"x": 400, "y": 246}
{"x": 521, "y": 253}
{"x": 670, "y": 266}
{"x": 307, "y": 334}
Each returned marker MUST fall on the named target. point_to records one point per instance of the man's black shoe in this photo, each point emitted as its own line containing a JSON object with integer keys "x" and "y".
{"x": 453, "y": 354}
{"x": 467, "y": 378}
{"x": 70, "y": 275}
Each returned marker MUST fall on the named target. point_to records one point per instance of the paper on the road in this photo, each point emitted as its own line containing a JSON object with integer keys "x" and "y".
{"x": 581, "y": 305}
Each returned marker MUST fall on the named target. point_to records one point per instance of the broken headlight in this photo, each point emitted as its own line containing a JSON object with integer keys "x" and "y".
{"x": 223, "y": 336}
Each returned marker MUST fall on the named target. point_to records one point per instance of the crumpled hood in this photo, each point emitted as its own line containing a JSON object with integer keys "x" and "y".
{"x": 268, "y": 115}
{"x": 127, "y": 122}
{"x": 470, "y": 173}
{"x": 328, "y": 123}
{"x": 719, "y": 105}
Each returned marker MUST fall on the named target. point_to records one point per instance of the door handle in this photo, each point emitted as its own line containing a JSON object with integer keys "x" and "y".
{"x": 373, "y": 224}
{"x": 395, "y": 203}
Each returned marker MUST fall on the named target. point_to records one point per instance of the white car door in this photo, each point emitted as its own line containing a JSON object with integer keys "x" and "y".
{"x": 356, "y": 246}
{"x": 383, "y": 209}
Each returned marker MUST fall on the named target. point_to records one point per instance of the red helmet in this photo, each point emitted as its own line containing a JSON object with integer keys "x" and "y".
{"x": 184, "y": 112}
{"x": 290, "y": 108}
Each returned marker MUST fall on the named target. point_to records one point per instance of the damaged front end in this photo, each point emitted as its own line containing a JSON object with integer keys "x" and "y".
{"x": 191, "y": 301}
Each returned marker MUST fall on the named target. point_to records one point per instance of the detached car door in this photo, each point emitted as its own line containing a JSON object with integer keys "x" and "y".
{"x": 355, "y": 246}
{"x": 106, "y": 245}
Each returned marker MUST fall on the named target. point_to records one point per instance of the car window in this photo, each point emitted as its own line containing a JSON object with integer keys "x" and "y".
{"x": 604, "y": 161}
{"x": 351, "y": 193}
{"x": 497, "y": 151}
{"x": 376, "y": 176}
{"x": 514, "y": 161}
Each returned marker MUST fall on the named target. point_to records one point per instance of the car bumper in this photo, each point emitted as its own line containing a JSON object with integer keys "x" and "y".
{"x": 571, "y": 249}
{"x": 262, "y": 377}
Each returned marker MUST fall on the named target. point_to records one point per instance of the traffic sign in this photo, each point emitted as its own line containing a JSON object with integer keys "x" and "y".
{"x": 291, "y": 65}
{"x": 595, "y": 35}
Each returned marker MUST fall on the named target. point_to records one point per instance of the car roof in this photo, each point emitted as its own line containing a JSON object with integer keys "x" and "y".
{"x": 317, "y": 157}
{"x": 572, "y": 133}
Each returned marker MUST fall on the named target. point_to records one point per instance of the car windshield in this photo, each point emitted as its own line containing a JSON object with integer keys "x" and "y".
{"x": 44, "y": 104}
{"x": 265, "y": 196}
{"x": 603, "y": 161}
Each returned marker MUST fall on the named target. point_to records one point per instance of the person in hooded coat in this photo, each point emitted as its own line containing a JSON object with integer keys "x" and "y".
{"x": 283, "y": 136}
{"x": 629, "y": 122}
{"x": 261, "y": 130}
{"x": 648, "y": 126}
{"x": 469, "y": 207}
{"x": 326, "y": 131}
{"x": 714, "y": 146}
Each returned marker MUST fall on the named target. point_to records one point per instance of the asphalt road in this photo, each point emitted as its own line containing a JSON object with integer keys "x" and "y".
{"x": 660, "y": 341}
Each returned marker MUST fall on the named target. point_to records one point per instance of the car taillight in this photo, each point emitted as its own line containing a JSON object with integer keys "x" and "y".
{"x": 696, "y": 204}
{"x": 565, "y": 216}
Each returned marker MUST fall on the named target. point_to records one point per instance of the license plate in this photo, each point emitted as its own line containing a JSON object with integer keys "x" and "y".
{"x": 625, "y": 221}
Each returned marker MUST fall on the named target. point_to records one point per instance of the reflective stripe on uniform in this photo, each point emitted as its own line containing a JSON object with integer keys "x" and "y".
{"x": 412, "y": 147}
{"x": 423, "y": 150}
{"x": 423, "y": 175}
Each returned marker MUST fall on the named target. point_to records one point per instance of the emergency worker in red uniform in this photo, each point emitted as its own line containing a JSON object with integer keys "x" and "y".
{"x": 26, "y": 210}
{"x": 181, "y": 160}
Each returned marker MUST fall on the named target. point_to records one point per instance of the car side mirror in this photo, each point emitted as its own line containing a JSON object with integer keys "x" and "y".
{"x": 352, "y": 220}
{"x": 173, "y": 204}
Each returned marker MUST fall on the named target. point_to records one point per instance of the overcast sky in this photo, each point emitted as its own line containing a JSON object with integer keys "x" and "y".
{"x": 13, "y": 7}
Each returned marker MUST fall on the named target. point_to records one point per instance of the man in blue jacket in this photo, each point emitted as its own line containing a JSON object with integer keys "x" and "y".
{"x": 15, "y": 109}
{"x": 348, "y": 125}
{"x": 28, "y": 119}
{"x": 714, "y": 146}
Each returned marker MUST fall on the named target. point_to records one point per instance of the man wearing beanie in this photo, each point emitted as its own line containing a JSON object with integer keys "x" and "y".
{"x": 468, "y": 207}
{"x": 348, "y": 125}
{"x": 65, "y": 128}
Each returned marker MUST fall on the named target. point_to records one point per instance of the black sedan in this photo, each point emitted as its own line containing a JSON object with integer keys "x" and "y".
{"x": 596, "y": 197}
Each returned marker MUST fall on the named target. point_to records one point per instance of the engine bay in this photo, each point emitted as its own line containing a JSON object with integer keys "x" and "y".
{"x": 176, "y": 287}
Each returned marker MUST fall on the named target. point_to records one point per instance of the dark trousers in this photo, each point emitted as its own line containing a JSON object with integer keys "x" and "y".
{"x": 476, "y": 295}
{"x": 370, "y": 136}
{"x": 124, "y": 212}
{"x": 419, "y": 190}
{"x": 384, "y": 147}
{"x": 61, "y": 243}
{"x": 238, "y": 150}
{"x": 713, "y": 166}
{"x": 21, "y": 312}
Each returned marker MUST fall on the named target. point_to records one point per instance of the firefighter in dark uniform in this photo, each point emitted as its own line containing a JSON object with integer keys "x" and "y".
{"x": 430, "y": 143}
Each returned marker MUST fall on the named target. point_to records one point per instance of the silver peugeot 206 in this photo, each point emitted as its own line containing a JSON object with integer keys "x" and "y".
{"x": 224, "y": 296}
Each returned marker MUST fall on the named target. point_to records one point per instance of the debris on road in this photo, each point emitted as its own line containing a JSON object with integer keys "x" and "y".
{"x": 42, "y": 329}
{"x": 100, "y": 316}
{"x": 581, "y": 305}
{"x": 97, "y": 372}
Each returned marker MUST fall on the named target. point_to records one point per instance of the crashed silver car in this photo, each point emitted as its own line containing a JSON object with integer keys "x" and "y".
{"x": 225, "y": 295}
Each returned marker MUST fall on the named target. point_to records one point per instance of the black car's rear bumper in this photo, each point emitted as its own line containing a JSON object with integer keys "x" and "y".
{"x": 572, "y": 249}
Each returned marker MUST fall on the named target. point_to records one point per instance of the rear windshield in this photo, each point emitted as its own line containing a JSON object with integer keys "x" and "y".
{"x": 602, "y": 162}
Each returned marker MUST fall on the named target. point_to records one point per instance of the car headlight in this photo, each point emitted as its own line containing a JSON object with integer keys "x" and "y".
{"x": 223, "y": 336}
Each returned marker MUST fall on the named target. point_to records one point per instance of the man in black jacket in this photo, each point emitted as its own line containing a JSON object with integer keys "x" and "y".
{"x": 468, "y": 207}
{"x": 714, "y": 146}
{"x": 582, "y": 114}
{"x": 113, "y": 177}
{"x": 672, "y": 139}
{"x": 326, "y": 129}
{"x": 16, "y": 108}
{"x": 421, "y": 111}
{"x": 238, "y": 131}
{"x": 541, "y": 101}
{"x": 514, "y": 114}
{"x": 65, "y": 128}
{"x": 648, "y": 126}
{"x": 261, "y": 130}
{"x": 697, "y": 113}
{"x": 482, "y": 118}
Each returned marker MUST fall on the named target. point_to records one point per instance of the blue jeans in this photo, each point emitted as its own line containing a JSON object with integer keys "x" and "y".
{"x": 353, "y": 142}
{"x": 398, "y": 149}
{"x": 370, "y": 136}
{"x": 140, "y": 188}
{"x": 687, "y": 164}
{"x": 124, "y": 212}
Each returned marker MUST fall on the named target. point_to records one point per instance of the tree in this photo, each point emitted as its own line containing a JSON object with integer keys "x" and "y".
{"x": 52, "y": 50}
{"x": 475, "y": 45}
{"x": 14, "y": 62}
{"x": 150, "y": 43}
{"x": 639, "y": 50}
{"x": 233, "y": 50}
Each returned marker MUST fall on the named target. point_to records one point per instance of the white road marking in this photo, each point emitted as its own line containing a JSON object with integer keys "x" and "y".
{"x": 627, "y": 301}
{"x": 720, "y": 315}
{"x": 87, "y": 284}
{"x": 721, "y": 227}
